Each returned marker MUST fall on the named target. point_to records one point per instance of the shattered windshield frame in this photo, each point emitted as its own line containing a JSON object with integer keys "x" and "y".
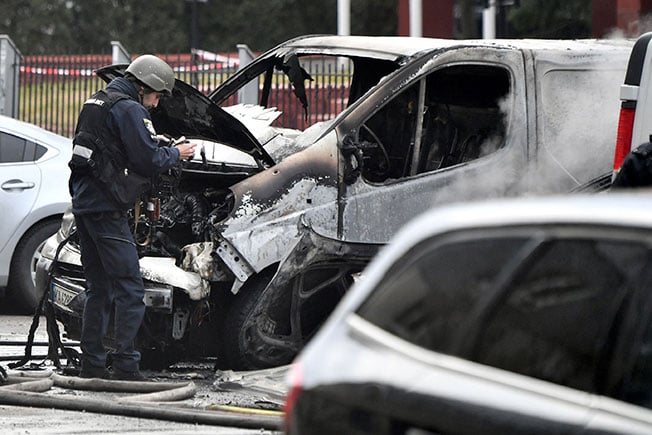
{"x": 324, "y": 83}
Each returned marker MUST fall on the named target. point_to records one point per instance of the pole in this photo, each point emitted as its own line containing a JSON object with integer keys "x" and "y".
{"x": 416, "y": 18}
{"x": 194, "y": 39}
{"x": 344, "y": 17}
{"x": 489, "y": 21}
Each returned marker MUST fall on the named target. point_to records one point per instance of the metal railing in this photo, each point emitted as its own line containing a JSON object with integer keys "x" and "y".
{"x": 53, "y": 88}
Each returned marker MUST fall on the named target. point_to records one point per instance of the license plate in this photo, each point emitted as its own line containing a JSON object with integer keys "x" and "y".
{"x": 62, "y": 296}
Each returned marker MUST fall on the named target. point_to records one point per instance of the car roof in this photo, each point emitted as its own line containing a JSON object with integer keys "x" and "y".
{"x": 397, "y": 46}
{"x": 613, "y": 208}
{"x": 35, "y": 133}
{"x": 632, "y": 209}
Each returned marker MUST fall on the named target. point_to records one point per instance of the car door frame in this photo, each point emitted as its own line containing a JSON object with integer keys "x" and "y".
{"x": 373, "y": 212}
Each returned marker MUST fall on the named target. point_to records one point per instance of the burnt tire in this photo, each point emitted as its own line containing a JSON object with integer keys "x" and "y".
{"x": 266, "y": 327}
{"x": 22, "y": 288}
{"x": 237, "y": 340}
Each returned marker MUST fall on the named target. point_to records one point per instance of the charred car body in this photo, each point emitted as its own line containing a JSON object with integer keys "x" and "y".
{"x": 249, "y": 255}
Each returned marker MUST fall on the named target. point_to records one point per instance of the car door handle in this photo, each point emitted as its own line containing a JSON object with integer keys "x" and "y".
{"x": 17, "y": 185}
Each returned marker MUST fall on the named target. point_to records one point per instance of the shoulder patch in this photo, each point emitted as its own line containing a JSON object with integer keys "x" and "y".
{"x": 149, "y": 126}
{"x": 94, "y": 101}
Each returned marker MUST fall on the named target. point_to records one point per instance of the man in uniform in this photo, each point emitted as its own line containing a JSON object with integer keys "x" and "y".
{"x": 115, "y": 154}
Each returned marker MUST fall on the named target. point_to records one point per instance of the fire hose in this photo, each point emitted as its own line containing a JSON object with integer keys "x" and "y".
{"x": 153, "y": 401}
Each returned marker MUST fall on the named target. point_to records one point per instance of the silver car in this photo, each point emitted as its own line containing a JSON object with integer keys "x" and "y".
{"x": 33, "y": 197}
{"x": 520, "y": 316}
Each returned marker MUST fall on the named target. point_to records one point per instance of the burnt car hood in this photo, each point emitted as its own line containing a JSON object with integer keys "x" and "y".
{"x": 190, "y": 113}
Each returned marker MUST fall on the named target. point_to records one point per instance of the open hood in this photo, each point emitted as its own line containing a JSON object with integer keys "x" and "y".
{"x": 190, "y": 113}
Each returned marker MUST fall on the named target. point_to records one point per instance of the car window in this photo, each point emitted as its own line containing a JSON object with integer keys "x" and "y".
{"x": 540, "y": 305}
{"x": 634, "y": 383}
{"x": 435, "y": 288}
{"x": 386, "y": 138}
{"x": 556, "y": 318}
{"x": 16, "y": 149}
{"x": 463, "y": 117}
{"x": 454, "y": 115}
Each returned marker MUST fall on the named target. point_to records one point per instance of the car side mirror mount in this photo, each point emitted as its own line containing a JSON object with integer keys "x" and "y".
{"x": 352, "y": 153}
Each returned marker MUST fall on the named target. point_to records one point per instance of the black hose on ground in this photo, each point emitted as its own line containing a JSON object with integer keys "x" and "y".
{"x": 11, "y": 394}
{"x": 44, "y": 308}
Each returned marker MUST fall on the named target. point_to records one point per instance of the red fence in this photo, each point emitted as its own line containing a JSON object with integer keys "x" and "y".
{"x": 53, "y": 87}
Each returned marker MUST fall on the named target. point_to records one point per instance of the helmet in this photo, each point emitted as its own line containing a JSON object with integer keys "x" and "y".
{"x": 153, "y": 72}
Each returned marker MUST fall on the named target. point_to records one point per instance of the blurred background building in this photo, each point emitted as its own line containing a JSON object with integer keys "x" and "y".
{"x": 467, "y": 18}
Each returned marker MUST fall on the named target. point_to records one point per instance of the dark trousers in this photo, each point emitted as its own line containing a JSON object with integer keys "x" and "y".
{"x": 111, "y": 268}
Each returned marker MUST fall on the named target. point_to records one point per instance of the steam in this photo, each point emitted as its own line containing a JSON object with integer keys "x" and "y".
{"x": 579, "y": 123}
{"x": 577, "y": 134}
{"x": 634, "y": 29}
{"x": 615, "y": 34}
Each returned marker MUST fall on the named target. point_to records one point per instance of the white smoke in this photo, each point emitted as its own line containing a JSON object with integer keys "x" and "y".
{"x": 633, "y": 30}
{"x": 576, "y": 133}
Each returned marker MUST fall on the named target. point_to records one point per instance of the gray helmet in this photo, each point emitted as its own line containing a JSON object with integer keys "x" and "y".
{"x": 153, "y": 72}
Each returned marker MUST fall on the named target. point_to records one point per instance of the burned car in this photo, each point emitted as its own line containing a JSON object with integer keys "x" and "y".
{"x": 248, "y": 257}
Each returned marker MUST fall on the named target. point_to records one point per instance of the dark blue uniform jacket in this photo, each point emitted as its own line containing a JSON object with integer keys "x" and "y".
{"x": 130, "y": 122}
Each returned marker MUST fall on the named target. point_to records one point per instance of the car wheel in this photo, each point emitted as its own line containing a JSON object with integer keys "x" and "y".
{"x": 22, "y": 286}
{"x": 266, "y": 327}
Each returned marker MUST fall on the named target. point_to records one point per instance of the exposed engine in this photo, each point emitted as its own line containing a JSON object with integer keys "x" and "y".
{"x": 175, "y": 211}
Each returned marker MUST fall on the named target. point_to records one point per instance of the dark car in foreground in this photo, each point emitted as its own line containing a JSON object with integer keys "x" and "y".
{"x": 246, "y": 261}
{"x": 508, "y": 317}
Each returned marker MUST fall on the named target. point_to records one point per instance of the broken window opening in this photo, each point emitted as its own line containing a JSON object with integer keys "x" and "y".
{"x": 387, "y": 137}
{"x": 460, "y": 119}
{"x": 367, "y": 74}
{"x": 463, "y": 119}
{"x": 307, "y": 88}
